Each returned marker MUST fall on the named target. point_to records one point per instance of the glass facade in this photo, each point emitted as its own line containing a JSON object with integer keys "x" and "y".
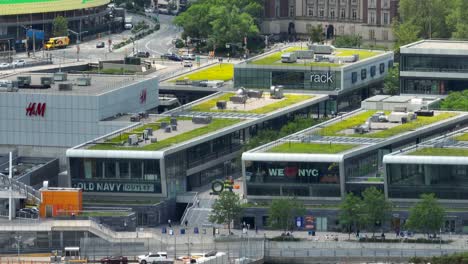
{"x": 412, "y": 180}
{"x": 432, "y": 86}
{"x": 290, "y": 78}
{"x": 116, "y": 175}
{"x": 292, "y": 179}
{"x": 432, "y": 63}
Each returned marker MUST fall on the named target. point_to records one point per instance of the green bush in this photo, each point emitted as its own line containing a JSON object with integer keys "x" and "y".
{"x": 285, "y": 239}
{"x": 348, "y": 41}
{"x": 179, "y": 43}
{"x": 410, "y": 241}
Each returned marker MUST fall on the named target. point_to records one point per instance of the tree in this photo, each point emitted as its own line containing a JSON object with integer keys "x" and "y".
{"x": 457, "y": 19}
{"x": 392, "y": 81}
{"x": 226, "y": 209}
{"x": 426, "y": 216}
{"x": 60, "y": 26}
{"x": 404, "y": 33}
{"x": 282, "y": 212}
{"x": 456, "y": 101}
{"x": 375, "y": 208}
{"x": 348, "y": 41}
{"x": 316, "y": 33}
{"x": 350, "y": 212}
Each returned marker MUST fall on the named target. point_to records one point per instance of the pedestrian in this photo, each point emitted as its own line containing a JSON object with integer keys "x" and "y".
{"x": 198, "y": 203}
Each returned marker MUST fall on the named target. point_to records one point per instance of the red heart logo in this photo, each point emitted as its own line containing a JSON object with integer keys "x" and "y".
{"x": 290, "y": 171}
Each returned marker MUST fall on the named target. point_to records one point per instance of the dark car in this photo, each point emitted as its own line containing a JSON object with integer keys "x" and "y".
{"x": 166, "y": 55}
{"x": 142, "y": 54}
{"x": 114, "y": 260}
{"x": 100, "y": 45}
{"x": 174, "y": 57}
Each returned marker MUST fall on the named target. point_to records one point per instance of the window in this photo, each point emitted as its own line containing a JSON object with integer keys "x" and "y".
{"x": 124, "y": 169}
{"x": 363, "y": 74}
{"x": 354, "y": 14}
{"x": 372, "y": 71}
{"x": 382, "y": 68}
{"x": 135, "y": 169}
{"x": 310, "y": 10}
{"x": 332, "y": 12}
{"x": 291, "y": 11}
{"x": 321, "y": 12}
{"x": 385, "y": 4}
{"x": 342, "y": 13}
{"x": 354, "y": 77}
{"x": 372, "y": 4}
{"x": 372, "y": 17}
{"x": 385, "y": 18}
{"x": 371, "y": 34}
{"x": 384, "y": 34}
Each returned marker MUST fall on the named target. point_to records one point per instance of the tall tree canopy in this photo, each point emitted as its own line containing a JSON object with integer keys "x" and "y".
{"x": 221, "y": 21}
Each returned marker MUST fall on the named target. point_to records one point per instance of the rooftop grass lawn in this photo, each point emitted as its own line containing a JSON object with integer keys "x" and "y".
{"x": 462, "y": 137}
{"x": 290, "y": 99}
{"x": 363, "y": 54}
{"x": 333, "y": 130}
{"x": 310, "y": 148}
{"x": 457, "y": 152}
{"x": 216, "y": 124}
{"x": 105, "y": 213}
{"x": 223, "y": 71}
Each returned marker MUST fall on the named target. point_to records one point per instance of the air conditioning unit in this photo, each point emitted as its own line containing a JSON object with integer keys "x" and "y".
{"x": 173, "y": 121}
{"x": 23, "y": 80}
{"x": 145, "y": 134}
{"x": 60, "y": 76}
{"x": 221, "y": 104}
{"x": 65, "y": 86}
{"x": 83, "y": 81}
{"x": 47, "y": 80}
{"x": 133, "y": 139}
{"x": 201, "y": 119}
{"x": 154, "y": 140}
{"x": 150, "y": 131}
{"x": 167, "y": 129}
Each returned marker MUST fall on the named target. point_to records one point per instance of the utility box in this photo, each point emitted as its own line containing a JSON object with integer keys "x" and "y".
{"x": 60, "y": 202}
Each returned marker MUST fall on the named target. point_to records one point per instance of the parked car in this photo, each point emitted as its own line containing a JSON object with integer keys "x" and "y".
{"x": 166, "y": 55}
{"x": 4, "y": 65}
{"x": 188, "y": 63}
{"x": 114, "y": 260}
{"x": 100, "y": 45}
{"x": 174, "y": 57}
{"x": 19, "y": 63}
{"x": 150, "y": 257}
{"x": 188, "y": 57}
{"x": 142, "y": 54}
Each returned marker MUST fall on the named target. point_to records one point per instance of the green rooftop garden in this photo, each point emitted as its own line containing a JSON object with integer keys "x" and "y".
{"x": 349, "y": 123}
{"x": 275, "y": 58}
{"x": 105, "y": 213}
{"x": 222, "y": 71}
{"x": 310, "y": 148}
{"x": 462, "y": 137}
{"x": 458, "y": 152}
{"x": 290, "y": 99}
{"x": 115, "y": 143}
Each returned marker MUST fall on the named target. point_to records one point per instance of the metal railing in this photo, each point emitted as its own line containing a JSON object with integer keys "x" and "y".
{"x": 188, "y": 208}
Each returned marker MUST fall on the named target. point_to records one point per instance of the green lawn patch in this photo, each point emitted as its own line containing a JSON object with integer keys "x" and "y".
{"x": 463, "y": 137}
{"x": 333, "y": 130}
{"x": 440, "y": 152}
{"x": 290, "y": 99}
{"x": 105, "y": 213}
{"x": 215, "y": 124}
{"x": 223, "y": 71}
{"x": 363, "y": 54}
{"x": 311, "y": 148}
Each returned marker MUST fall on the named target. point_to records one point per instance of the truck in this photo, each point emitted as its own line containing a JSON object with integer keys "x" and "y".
{"x": 57, "y": 43}
{"x": 128, "y": 23}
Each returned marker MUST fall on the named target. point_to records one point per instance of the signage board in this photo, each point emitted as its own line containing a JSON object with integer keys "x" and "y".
{"x": 109, "y": 186}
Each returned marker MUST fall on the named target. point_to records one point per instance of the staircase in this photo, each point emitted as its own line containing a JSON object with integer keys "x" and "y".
{"x": 18, "y": 190}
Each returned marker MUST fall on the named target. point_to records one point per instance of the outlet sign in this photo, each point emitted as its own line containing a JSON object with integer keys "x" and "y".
{"x": 114, "y": 187}
{"x": 293, "y": 172}
{"x": 322, "y": 78}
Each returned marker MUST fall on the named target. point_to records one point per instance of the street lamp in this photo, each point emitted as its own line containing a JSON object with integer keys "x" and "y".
{"x": 18, "y": 245}
{"x": 78, "y": 40}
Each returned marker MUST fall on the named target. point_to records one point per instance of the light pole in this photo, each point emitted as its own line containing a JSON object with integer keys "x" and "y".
{"x": 18, "y": 245}
{"x": 78, "y": 40}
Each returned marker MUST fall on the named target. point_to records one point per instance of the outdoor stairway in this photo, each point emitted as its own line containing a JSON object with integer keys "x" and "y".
{"x": 19, "y": 190}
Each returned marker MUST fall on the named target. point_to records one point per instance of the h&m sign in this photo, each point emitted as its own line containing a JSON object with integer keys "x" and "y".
{"x": 36, "y": 109}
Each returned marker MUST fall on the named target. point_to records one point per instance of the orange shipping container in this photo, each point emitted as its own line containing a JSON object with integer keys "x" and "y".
{"x": 60, "y": 201}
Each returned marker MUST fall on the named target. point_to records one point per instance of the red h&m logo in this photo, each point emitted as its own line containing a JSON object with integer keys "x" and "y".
{"x": 34, "y": 109}
{"x": 143, "y": 96}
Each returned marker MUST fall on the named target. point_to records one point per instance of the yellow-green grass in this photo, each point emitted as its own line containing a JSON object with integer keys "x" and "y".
{"x": 17, "y": 7}
{"x": 311, "y": 148}
{"x": 275, "y": 58}
{"x": 290, "y": 99}
{"x": 104, "y": 214}
{"x": 223, "y": 71}
{"x": 463, "y": 137}
{"x": 215, "y": 124}
{"x": 335, "y": 129}
{"x": 440, "y": 152}
{"x": 363, "y": 54}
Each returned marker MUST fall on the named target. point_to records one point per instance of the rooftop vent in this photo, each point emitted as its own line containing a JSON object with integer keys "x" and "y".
{"x": 23, "y": 81}
{"x": 60, "y": 76}
{"x": 65, "y": 87}
{"x": 47, "y": 80}
{"x": 238, "y": 99}
{"x": 276, "y": 92}
{"x": 201, "y": 119}
{"x": 221, "y": 104}
{"x": 83, "y": 81}
{"x": 133, "y": 139}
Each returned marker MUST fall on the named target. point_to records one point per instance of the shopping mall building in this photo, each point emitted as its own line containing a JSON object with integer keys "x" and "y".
{"x": 347, "y": 75}
{"x": 434, "y": 67}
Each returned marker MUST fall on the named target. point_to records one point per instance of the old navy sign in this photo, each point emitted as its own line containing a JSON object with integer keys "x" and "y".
{"x": 114, "y": 187}
{"x": 293, "y": 172}
{"x": 322, "y": 78}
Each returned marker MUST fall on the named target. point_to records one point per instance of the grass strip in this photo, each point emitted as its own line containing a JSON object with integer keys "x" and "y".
{"x": 311, "y": 148}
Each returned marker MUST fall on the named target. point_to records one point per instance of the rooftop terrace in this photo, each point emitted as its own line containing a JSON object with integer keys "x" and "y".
{"x": 275, "y": 58}
{"x": 100, "y": 83}
{"x": 349, "y": 132}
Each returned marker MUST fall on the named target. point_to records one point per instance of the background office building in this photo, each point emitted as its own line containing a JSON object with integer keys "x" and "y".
{"x": 48, "y": 113}
{"x": 347, "y": 79}
{"x": 370, "y": 19}
{"x": 434, "y": 67}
